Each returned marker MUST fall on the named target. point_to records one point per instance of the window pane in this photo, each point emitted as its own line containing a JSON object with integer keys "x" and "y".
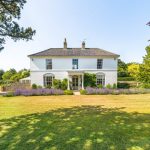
{"x": 99, "y": 63}
{"x": 74, "y": 63}
{"x": 48, "y": 63}
{"x": 100, "y": 79}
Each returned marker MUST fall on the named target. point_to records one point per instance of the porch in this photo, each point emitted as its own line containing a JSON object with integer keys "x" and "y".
{"x": 75, "y": 80}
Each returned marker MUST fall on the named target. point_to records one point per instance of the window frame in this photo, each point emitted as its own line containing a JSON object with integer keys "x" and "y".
{"x": 100, "y": 79}
{"x": 99, "y": 63}
{"x": 48, "y": 80}
{"x": 49, "y": 65}
{"x": 75, "y": 62}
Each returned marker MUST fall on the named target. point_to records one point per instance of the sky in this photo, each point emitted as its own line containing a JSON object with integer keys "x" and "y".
{"x": 118, "y": 26}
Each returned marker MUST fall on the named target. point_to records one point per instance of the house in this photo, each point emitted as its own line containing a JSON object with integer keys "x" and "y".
{"x": 72, "y": 64}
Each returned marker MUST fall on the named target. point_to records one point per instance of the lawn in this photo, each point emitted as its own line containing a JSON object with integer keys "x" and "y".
{"x": 109, "y": 122}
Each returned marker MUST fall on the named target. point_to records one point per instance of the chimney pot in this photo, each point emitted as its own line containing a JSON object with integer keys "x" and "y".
{"x": 65, "y": 44}
{"x": 83, "y": 45}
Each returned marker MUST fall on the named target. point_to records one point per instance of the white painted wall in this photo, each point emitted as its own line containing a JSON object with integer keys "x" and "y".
{"x": 63, "y": 64}
{"x": 66, "y": 63}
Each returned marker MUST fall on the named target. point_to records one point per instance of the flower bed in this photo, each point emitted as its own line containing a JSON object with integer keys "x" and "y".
{"x": 105, "y": 91}
{"x": 36, "y": 92}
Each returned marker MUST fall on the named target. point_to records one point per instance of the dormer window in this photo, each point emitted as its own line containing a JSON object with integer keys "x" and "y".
{"x": 74, "y": 63}
{"x": 48, "y": 64}
{"x": 99, "y": 63}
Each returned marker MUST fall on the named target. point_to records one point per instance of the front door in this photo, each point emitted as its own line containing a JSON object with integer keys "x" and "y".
{"x": 75, "y": 82}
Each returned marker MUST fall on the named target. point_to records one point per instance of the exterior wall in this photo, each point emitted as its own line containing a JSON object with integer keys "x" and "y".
{"x": 63, "y": 64}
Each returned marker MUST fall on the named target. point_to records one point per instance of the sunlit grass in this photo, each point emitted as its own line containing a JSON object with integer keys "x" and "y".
{"x": 75, "y": 122}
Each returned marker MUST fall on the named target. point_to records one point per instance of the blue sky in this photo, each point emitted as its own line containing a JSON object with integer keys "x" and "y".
{"x": 114, "y": 25}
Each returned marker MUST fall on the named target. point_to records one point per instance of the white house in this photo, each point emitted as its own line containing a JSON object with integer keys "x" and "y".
{"x": 72, "y": 63}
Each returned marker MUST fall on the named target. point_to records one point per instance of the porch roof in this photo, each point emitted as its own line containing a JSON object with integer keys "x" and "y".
{"x": 75, "y": 72}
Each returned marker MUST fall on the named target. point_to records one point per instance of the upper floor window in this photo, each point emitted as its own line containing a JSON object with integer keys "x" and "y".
{"x": 48, "y": 63}
{"x": 74, "y": 63}
{"x": 99, "y": 63}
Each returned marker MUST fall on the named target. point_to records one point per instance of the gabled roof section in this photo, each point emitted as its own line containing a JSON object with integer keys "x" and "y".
{"x": 75, "y": 52}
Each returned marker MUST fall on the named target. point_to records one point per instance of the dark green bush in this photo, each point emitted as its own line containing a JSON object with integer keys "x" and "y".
{"x": 64, "y": 84}
{"x": 68, "y": 92}
{"x": 34, "y": 86}
{"x": 89, "y": 80}
{"x": 123, "y": 85}
{"x": 114, "y": 86}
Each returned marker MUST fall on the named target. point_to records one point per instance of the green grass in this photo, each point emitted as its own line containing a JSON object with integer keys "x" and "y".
{"x": 75, "y": 123}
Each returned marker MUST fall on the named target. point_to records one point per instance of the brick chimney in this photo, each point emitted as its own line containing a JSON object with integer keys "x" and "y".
{"x": 83, "y": 45}
{"x": 65, "y": 44}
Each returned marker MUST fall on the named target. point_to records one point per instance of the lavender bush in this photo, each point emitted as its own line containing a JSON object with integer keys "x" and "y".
{"x": 38, "y": 92}
{"x": 105, "y": 91}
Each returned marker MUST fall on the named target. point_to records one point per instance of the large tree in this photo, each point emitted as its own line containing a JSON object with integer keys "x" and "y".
{"x": 144, "y": 69}
{"x": 10, "y": 11}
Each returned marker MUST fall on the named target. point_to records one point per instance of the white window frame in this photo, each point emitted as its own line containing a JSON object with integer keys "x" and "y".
{"x": 49, "y": 64}
{"x": 99, "y": 63}
{"x": 48, "y": 80}
{"x": 100, "y": 79}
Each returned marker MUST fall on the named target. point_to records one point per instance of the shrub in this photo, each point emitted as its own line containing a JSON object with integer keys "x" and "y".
{"x": 57, "y": 84}
{"x": 38, "y": 92}
{"x": 123, "y": 85}
{"x": 34, "y": 86}
{"x": 114, "y": 86}
{"x": 126, "y": 79}
{"x": 108, "y": 86}
{"x": 9, "y": 94}
{"x": 83, "y": 92}
{"x": 64, "y": 84}
{"x": 100, "y": 86}
{"x": 68, "y": 92}
{"x": 39, "y": 87}
{"x": 89, "y": 80}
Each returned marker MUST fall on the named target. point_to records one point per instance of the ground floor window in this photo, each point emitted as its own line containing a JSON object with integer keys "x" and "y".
{"x": 48, "y": 80}
{"x": 100, "y": 79}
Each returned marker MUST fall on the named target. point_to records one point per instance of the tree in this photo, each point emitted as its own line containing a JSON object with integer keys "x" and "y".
{"x": 133, "y": 70}
{"x": 1, "y": 73}
{"x": 10, "y": 10}
{"x": 144, "y": 69}
{"x": 8, "y": 74}
{"x": 122, "y": 69}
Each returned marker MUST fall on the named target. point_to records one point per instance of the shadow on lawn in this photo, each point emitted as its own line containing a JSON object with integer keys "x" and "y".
{"x": 77, "y": 128}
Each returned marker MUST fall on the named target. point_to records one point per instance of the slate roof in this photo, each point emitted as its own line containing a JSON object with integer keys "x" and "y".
{"x": 74, "y": 52}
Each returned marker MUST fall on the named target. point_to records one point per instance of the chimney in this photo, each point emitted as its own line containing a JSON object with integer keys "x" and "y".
{"x": 65, "y": 44}
{"x": 83, "y": 45}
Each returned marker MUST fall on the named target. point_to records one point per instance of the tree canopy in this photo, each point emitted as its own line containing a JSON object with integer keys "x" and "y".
{"x": 10, "y": 11}
{"x": 144, "y": 69}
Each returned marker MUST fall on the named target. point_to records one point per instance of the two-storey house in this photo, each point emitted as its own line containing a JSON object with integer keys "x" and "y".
{"x": 73, "y": 63}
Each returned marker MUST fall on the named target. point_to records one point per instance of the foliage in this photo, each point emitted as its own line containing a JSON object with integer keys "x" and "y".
{"x": 64, "y": 84}
{"x": 114, "y": 86}
{"x": 68, "y": 92}
{"x": 100, "y": 86}
{"x": 89, "y": 80}
{"x": 126, "y": 79}
{"x": 123, "y": 85}
{"x": 34, "y": 86}
{"x": 106, "y": 91}
{"x": 1, "y": 73}
{"x": 144, "y": 69}
{"x": 83, "y": 92}
{"x": 122, "y": 69}
{"x": 10, "y": 11}
{"x": 9, "y": 94}
{"x": 8, "y": 74}
{"x": 38, "y": 92}
{"x": 57, "y": 84}
{"x": 108, "y": 86}
{"x": 133, "y": 70}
